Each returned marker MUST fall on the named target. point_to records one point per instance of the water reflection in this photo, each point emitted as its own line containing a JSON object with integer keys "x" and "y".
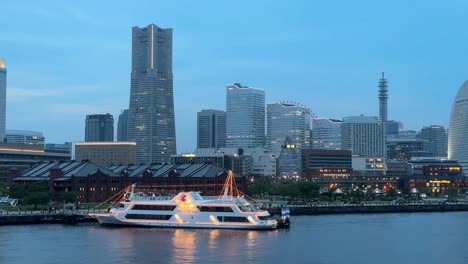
{"x": 184, "y": 246}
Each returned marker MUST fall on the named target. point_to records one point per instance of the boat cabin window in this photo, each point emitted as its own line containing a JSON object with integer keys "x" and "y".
{"x": 234, "y": 219}
{"x": 215, "y": 209}
{"x": 266, "y": 217}
{"x": 155, "y": 207}
{"x": 148, "y": 216}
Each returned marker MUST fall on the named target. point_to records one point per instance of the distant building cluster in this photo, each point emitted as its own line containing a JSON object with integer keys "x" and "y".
{"x": 251, "y": 137}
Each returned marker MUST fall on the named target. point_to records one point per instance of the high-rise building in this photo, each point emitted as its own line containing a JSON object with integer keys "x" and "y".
{"x": 211, "y": 129}
{"x": 364, "y": 135}
{"x": 287, "y": 120}
{"x": 106, "y": 153}
{"x": 151, "y": 121}
{"x": 122, "y": 125}
{"x": 326, "y": 133}
{"x": 24, "y": 137}
{"x": 99, "y": 128}
{"x": 439, "y": 138}
{"x": 404, "y": 149}
{"x": 3, "y": 82}
{"x": 245, "y": 116}
{"x": 458, "y": 129}
{"x": 383, "y": 96}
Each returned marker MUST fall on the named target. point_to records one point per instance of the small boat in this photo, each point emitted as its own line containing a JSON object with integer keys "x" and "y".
{"x": 187, "y": 210}
{"x": 284, "y": 220}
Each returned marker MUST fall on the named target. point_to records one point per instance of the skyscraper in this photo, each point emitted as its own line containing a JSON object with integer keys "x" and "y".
{"x": 3, "y": 81}
{"x": 287, "y": 120}
{"x": 122, "y": 125}
{"x": 383, "y": 96}
{"x": 245, "y": 116}
{"x": 438, "y": 136}
{"x": 458, "y": 129}
{"x": 211, "y": 129}
{"x": 99, "y": 128}
{"x": 151, "y": 121}
{"x": 326, "y": 133}
{"x": 364, "y": 135}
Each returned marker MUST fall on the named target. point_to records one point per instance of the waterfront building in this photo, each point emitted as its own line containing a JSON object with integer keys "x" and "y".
{"x": 211, "y": 129}
{"x": 393, "y": 127}
{"x": 151, "y": 120}
{"x": 3, "y": 85}
{"x": 106, "y": 153}
{"x": 24, "y": 137}
{"x": 94, "y": 183}
{"x": 59, "y": 148}
{"x": 397, "y": 169}
{"x": 368, "y": 166}
{"x": 122, "y": 126}
{"x": 245, "y": 116}
{"x": 383, "y": 97}
{"x": 433, "y": 166}
{"x": 364, "y": 135}
{"x": 326, "y": 163}
{"x": 99, "y": 128}
{"x": 287, "y": 120}
{"x": 438, "y": 136}
{"x": 434, "y": 185}
{"x": 24, "y": 156}
{"x": 458, "y": 129}
{"x": 326, "y": 133}
{"x": 405, "y": 148}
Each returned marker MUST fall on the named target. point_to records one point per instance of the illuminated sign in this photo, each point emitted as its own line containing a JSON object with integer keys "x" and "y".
{"x": 440, "y": 181}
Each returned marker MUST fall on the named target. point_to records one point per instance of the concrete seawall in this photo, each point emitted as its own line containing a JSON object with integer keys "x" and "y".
{"x": 43, "y": 219}
{"x": 370, "y": 209}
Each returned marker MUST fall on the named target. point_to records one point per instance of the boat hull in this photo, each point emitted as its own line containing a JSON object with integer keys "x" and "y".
{"x": 110, "y": 220}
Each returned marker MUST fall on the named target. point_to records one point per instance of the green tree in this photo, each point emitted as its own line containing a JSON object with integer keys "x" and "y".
{"x": 17, "y": 191}
{"x": 38, "y": 198}
{"x": 308, "y": 189}
{"x": 452, "y": 193}
{"x": 68, "y": 197}
{"x": 41, "y": 186}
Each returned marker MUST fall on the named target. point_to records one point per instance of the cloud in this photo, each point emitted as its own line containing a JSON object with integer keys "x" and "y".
{"x": 20, "y": 94}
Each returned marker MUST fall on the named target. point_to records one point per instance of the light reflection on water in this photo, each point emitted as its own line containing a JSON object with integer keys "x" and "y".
{"x": 385, "y": 238}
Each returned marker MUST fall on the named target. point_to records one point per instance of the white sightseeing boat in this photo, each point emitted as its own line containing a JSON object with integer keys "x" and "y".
{"x": 187, "y": 210}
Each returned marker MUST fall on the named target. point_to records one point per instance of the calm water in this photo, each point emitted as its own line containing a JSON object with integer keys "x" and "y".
{"x": 383, "y": 238}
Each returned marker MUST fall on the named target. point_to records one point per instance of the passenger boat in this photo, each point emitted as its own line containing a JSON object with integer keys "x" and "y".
{"x": 187, "y": 210}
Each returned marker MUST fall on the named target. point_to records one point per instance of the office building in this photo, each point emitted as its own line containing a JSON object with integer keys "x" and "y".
{"x": 99, "y": 128}
{"x": 439, "y": 138}
{"x": 458, "y": 129}
{"x": 3, "y": 85}
{"x": 122, "y": 126}
{"x": 287, "y": 120}
{"x": 106, "y": 153}
{"x": 326, "y": 133}
{"x": 59, "y": 148}
{"x": 364, "y": 135}
{"x": 24, "y": 137}
{"x": 151, "y": 120}
{"x": 245, "y": 116}
{"x": 326, "y": 163}
{"x": 211, "y": 129}
{"x": 404, "y": 149}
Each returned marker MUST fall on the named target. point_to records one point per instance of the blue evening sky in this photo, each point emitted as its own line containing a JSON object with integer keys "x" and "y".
{"x": 66, "y": 59}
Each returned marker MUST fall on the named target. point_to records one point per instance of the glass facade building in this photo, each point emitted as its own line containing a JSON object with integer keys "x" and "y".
{"x": 458, "y": 129}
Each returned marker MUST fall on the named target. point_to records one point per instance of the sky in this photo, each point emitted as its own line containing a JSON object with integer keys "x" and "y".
{"x": 67, "y": 59}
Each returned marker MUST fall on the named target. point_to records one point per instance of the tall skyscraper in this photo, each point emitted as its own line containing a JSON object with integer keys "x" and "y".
{"x": 326, "y": 133}
{"x": 211, "y": 129}
{"x": 3, "y": 82}
{"x": 458, "y": 129}
{"x": 287, "y": 120}
{"x": 245, "y": 116}
{"x": 151, "y": 121}
{"x": 99, "y": 128}
{"x": 364, "y": 135}
{"x": 438, "y": 136}
{"x": 383, "y": 96}
{"x": 122, "y": 126}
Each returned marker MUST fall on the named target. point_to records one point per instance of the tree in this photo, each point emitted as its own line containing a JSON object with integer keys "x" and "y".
{"x": 38, "y": 198}
{"x": 41, "y": 186}
{"x": 17, "y": 191}
{"x": 68, "y": 197}
{"x": 308, "y": 189}
{"x": 452, "y": 193}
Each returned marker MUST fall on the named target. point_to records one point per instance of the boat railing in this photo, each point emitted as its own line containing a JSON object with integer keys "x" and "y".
{"x": 151, "y": 198}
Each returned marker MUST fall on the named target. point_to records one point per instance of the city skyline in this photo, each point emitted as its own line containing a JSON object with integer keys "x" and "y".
{"x": 57, "y": 93}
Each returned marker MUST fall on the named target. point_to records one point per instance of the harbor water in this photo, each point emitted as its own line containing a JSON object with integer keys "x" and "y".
{"x": 367, "y": 238}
